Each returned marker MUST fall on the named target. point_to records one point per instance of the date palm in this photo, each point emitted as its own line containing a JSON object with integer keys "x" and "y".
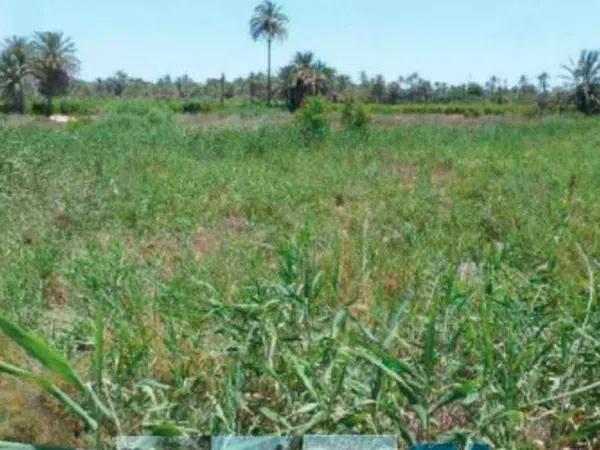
{"x": 268, "y": 23}
{"x": 54, "y": 64}
{"x": 14, "y": 71}
{"x": 304, "y": 60}
{"x": 585, "y": 75}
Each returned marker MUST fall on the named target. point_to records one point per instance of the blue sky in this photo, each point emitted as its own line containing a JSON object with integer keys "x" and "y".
{"x": 445, "y": 40}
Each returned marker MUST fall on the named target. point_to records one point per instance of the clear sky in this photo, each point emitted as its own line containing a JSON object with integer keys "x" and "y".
{"x": 444, "y": 40}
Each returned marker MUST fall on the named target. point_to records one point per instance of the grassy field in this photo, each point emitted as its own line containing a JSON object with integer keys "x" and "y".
{"x": 428, "y": 279}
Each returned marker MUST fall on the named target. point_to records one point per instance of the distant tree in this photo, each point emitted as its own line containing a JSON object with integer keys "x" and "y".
{"x": 525, "y": 88}
{"x": 585, "y": 76}
{"x": 185, "y": 86}
{"x": 116, "y": 84}
{"x": 475, "y": 90}
{"x": 378, "y": 89}
{"x": 342, "y": 83}
{"x": 15, "y": 59}
{"x": 364, "y": 80}
{"x": 54, "y": 64}
{"x": 165, "y": 80}
{"x": 492, "y": 86}
{"x": 543, "y": 79}
{"x": 394, "y": 93}
{"x": 304, "y": 60}
{"x": 268, "y": 23}
{"x": 440, "y": 91}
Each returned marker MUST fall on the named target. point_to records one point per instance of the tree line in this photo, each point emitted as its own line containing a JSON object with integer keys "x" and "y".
{"x": 46, "y": 65}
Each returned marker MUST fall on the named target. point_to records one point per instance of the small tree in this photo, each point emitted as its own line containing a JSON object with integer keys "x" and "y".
{"x": 54, "y": 64}
{"x": 543, "y": 80}
{"x": 14, "y": 71}
{"x": 355, "y": 116}
{"x": 378, "y": 89}
{"x": 313, "y": 119}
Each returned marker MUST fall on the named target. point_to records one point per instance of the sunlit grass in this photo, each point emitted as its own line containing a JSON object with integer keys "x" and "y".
{"x": 418, "y": 280}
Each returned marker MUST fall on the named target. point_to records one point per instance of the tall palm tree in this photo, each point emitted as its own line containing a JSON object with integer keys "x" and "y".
{"x": 54, "y": 64}
{"x": 585, "y": 75}
{"x": 268, "y": 23}
{"x": 14, "y": 71}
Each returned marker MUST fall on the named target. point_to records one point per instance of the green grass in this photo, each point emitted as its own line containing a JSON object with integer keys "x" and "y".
{"x": 420, "y": 280}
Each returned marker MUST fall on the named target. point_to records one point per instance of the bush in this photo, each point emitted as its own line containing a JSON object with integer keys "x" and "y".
{"x": 313, "y": 119}
{"x": 193, "y": 107}
{"x": 40, "y": 108}
{"x": 355, "y": 116}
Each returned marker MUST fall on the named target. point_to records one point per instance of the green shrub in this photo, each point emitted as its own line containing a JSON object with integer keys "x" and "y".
{"x": 176, "y": 106}
{"x": 313, "y": 119}
{"x": 193, "y": 107}
{"x": 355, "y": 116}
{"x": 39, "y": 108}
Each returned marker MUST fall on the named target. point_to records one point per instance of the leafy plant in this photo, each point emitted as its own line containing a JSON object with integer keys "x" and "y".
{"x": 313, "y": 119}
{"x": 15, "y": 60}
{"x": 355, "y": 116}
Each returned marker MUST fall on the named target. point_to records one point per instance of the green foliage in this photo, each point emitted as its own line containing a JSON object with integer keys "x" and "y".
{"x": 355, "y": 116}
{"x": 313, "y": 119}
{"x": 585, "y": 75}
{"x": 54, "y": 64}
{"x": 39, "y": 108}
{"x": 403, "y": 284}
{"x": 194, "y": 107}
{"x": 15, "y": 60}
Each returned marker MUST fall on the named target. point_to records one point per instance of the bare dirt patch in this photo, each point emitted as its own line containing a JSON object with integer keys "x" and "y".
{"x": 442, "y": 173}
{"x": 236, "y": 223}
{"x": 30, "y": 416}
{"x": 205, "y": 243}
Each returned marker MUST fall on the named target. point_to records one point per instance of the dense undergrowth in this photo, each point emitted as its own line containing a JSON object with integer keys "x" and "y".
{"x": 94, "y": 106}
{"x": 438, "y": 283}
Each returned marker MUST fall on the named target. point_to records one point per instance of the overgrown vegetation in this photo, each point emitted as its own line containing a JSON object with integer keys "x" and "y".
{"x": 313, "y": 119}
{"x": 355, "y": 116}
{"x": 237, "y": 281}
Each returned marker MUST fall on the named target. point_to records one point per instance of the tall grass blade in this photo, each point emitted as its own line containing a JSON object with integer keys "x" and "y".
{"x": 51, "y": 389}
{"x": 40, "y": 351}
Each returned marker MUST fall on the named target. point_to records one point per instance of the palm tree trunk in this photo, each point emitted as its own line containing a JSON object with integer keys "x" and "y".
{"x": 21, "y": 102}
{"x": 49, "y": 105}
{"x": 269, "y": 73}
